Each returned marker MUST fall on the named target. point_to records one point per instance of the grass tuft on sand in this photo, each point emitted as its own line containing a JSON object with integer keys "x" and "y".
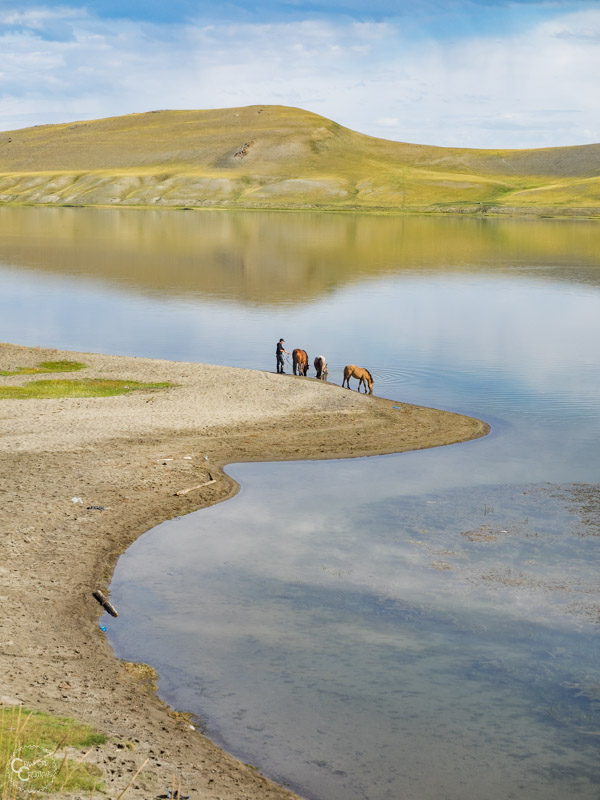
{"x": 46, "y": 366}
{"x": 143, "y": 673}
{"x": 62, "y": 388}
{"x": 32, "y": 756}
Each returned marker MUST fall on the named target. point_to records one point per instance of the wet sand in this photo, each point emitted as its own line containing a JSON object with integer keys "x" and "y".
{"x": 129, "y": 455}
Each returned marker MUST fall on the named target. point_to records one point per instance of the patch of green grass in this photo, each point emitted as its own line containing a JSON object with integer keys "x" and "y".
{"x": 61, "y": 366}
{"x": 31, "y": 760}
{"x": 49, "y": 730}
{"x": 92, "y": 387}
{"x": 21, "y": 371}
{"x": 46, "y": 366}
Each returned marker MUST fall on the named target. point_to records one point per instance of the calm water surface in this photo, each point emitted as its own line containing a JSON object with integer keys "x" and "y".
{"x": 413, "y": 626}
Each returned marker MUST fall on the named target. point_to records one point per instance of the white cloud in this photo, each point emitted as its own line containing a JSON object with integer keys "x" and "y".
{"x": 39, "y": 18}
{"x": 580, "y": 25}
{"x": 537, "y": 88}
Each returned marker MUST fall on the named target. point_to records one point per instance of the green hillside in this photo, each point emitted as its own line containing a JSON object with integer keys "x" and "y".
{"x": 279, "y": 157}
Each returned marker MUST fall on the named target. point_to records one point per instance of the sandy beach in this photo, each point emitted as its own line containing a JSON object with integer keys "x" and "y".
{"x": 129, "y": 455}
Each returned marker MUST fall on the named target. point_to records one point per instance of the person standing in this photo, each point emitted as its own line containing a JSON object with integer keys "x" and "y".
{"x": 279, "y": 353}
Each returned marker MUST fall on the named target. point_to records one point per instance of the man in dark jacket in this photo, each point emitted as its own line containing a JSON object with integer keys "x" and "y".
{"x": 279, "y": 353}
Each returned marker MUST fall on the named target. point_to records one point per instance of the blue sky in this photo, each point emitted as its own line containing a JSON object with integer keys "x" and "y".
{"x": 471, "y": 73}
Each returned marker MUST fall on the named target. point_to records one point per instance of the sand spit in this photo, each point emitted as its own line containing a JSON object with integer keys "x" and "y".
{"x": 129, "y": 455}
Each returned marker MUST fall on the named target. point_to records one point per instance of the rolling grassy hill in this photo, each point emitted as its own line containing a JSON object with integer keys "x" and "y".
{"x": 279, "y": 157}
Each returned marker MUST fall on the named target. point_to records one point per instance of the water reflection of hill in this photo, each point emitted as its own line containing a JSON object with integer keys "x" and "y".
{"x": 269, "y": 257}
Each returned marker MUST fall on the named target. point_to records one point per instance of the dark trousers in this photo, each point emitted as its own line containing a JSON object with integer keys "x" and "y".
{"x": 279, "y": 362}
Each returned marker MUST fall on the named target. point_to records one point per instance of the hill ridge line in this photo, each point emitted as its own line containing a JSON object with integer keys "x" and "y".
{"x": 283, "y": 157}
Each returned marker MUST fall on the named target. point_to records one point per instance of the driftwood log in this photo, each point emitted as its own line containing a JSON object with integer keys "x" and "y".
{"x": 104, "y": 602}
{"x": 193, "y": 488}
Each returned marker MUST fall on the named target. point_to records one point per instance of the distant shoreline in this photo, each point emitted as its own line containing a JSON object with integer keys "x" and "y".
{"x": 582, "y": 213}
{"x": 83, "y": 478}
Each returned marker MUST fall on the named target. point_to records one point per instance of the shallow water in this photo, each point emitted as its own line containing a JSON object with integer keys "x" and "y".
{"x": 421, "y": 625}
{"x": 405, "y": 645}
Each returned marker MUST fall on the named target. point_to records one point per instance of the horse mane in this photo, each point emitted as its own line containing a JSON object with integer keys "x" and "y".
{"x": 369, "y": 374}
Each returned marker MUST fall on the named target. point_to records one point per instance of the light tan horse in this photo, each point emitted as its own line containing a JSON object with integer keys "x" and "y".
{"x": 363, "y": 375}
{"x": 300, "y": 361}
{"x": 321, "y": 367}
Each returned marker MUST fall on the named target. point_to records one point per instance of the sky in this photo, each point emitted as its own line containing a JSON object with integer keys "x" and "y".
{"x": 465, "y": 73}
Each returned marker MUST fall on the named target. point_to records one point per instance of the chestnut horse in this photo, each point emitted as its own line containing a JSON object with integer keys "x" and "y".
{"x": 300, "y": 361}
{"x": 363, "y": 375}
{"x": 321, "y": 367}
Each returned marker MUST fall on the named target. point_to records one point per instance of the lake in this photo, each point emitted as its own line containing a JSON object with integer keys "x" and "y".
{"x": 421, "y": 625}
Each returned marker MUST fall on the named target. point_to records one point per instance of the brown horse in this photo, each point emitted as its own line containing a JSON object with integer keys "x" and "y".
{"x": 363, "y": 375}
{"x": 321, "y": 367}
{"x": 300, "y": 361}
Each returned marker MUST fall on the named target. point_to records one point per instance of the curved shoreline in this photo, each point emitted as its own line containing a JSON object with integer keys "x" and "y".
{"x": 129, "y": 455}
